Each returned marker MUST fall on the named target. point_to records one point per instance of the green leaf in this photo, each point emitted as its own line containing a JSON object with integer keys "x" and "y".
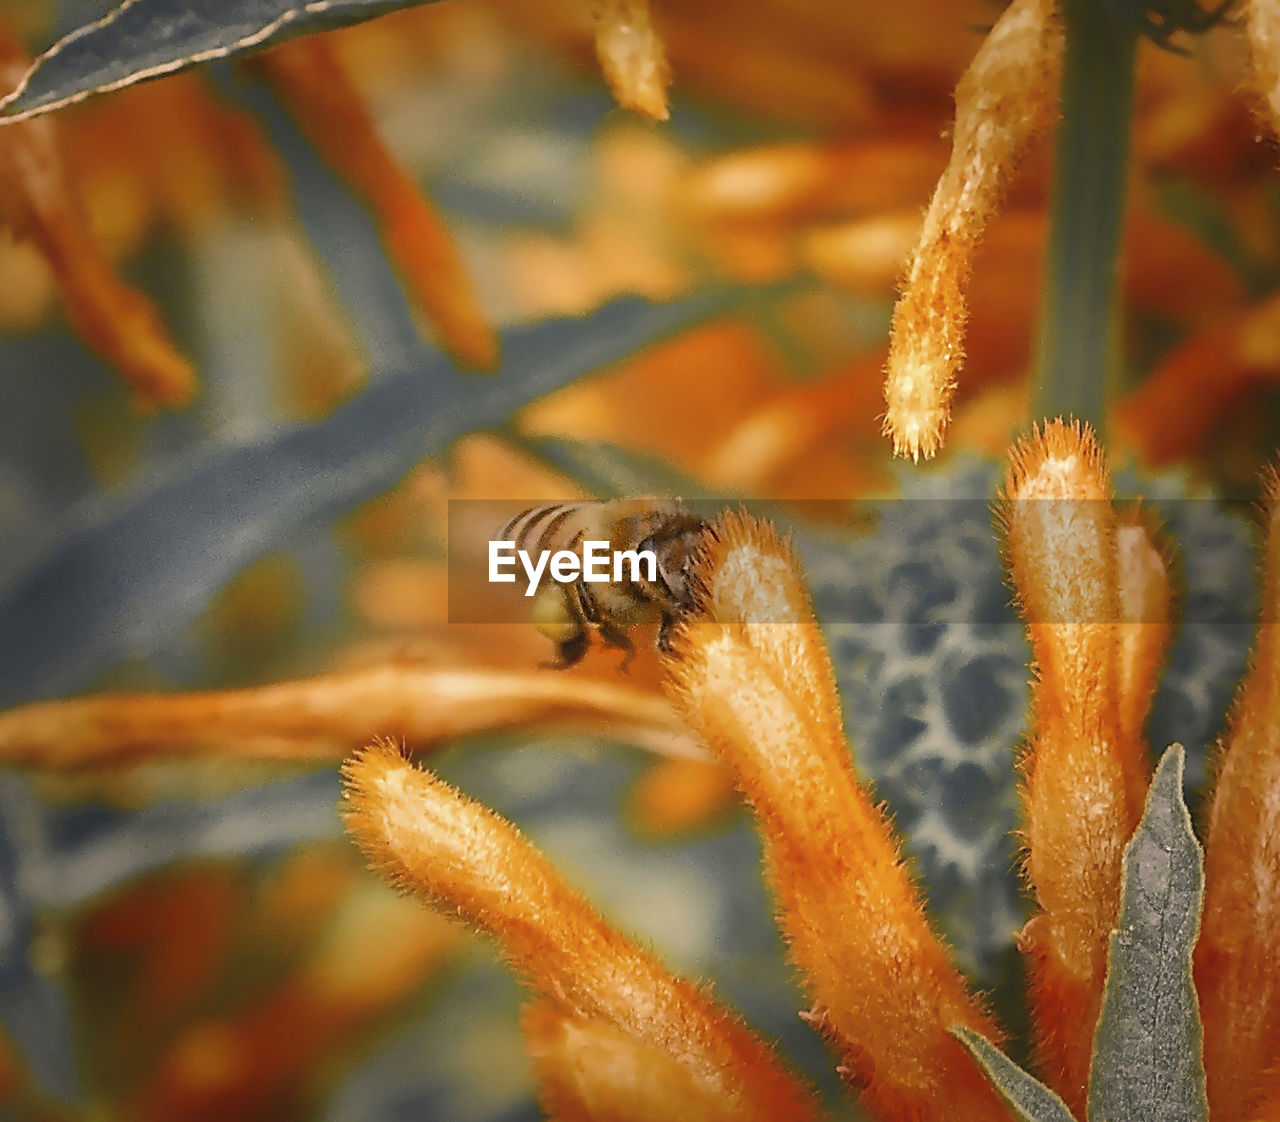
{"x": 1147, "y": 1051}
{"x": 144, "y": 39}
{"x": 132, "y": 572}
{"x": 1030, "y": 1099}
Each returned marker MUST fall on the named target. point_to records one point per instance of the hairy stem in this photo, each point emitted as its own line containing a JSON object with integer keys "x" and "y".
{"x": 1078, "y": 337}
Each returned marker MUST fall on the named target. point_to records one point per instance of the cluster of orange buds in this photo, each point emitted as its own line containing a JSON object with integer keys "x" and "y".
{"x": 1094, "y": 590}
{"x": 752, "y": 677}
{"x": 37, "y": 201}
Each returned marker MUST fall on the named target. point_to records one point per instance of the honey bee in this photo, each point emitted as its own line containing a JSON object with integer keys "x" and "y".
{"x": 570, "y": 601}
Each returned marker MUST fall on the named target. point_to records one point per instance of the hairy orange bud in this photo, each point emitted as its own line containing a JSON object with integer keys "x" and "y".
{"x": 1240, "y": 932}
{"x": 1080, "y": 582}
{"x": 754, "y": 678}
{"x": 313, "y": 84}
{"x": 429, "y": 839}
{"x": 632, "y": 56}
{"x": 1005, "y": 97}
{"x": 321, "y": 717}
{"x": 589, "y": 1071}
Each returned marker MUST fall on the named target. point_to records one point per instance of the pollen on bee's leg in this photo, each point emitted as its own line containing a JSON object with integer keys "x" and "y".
{"x": 429, "y": 839}
{"x": 1007, "y": 95}
{"x": 551, "y": 615}
{"x": 632, "y": 56}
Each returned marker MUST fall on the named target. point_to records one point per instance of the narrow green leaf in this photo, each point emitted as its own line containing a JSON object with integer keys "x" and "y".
{"x": 1147, "y": 1051}
{"x": 129, "y": 573}
{"x": 1030, "y": 1099}
{"x": 144, "y": 39}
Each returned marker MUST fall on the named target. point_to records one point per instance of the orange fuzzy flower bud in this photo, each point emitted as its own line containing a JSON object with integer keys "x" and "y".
{"x": 429, "y": 839}
{"x": 754, "y": 678}
{"x": 1081, "y": 582}
{"x": 1240, "y": 932}
{"x": 324, "y": 716}
{"x": 1005, "y": 97}
{"x": 632, "y": 56}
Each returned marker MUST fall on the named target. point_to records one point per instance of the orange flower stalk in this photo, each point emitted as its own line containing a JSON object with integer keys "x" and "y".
{"x": 312, "y": 82}
{"x": 1240, "y": 931}
{"x": 589, "y": 1071}
{"x": 632, "y": 56}
{"x": 1005, "y": 97}
{"x": 754, "y": 678}
{"x": 325, "y": 716}
{"x": 38, "y": 202}
{"x": 429, "y": 839}
{"x": 1086, "y": 768}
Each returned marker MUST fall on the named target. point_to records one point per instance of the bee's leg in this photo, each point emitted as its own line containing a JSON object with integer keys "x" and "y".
{"x": 615, "y": 637}
{"x": 585, "y": 600}
{"x": 664, "y": 632}
{"x": 558, "y": 615}
{"x": 570, "y": 651}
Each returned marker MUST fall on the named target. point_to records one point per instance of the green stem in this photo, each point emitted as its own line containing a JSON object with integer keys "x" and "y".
{"x": 1078, "y": 349}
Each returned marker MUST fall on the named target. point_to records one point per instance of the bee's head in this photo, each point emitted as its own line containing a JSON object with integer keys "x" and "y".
{"x": 675, "y": 548}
